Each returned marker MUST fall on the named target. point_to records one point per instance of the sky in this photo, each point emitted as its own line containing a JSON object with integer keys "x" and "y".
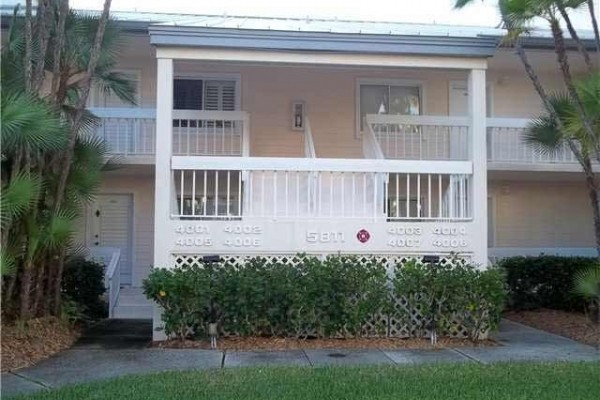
{"x": 481, "y": 13}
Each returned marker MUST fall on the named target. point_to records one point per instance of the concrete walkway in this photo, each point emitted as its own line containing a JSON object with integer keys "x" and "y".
{"x": 107, "y": 352}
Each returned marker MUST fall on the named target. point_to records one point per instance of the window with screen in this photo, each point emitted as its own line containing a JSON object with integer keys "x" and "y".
{"x": 383, "y": 98}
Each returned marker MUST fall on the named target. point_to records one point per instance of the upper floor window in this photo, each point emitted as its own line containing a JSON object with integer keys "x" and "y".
{"x": 387, "y": 97}
{"x": 205, "y": 94}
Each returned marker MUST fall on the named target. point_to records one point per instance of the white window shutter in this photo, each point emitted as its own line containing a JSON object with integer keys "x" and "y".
{"x": 219, "y": 95}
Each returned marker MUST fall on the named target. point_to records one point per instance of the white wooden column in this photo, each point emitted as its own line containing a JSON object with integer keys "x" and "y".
{"x": 163, "y": 181}
{"x": 164, "y": 137}
{"x": 478, "y": 153}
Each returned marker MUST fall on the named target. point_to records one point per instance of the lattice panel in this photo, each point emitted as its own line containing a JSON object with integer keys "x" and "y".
{"x": 405, "y": 322}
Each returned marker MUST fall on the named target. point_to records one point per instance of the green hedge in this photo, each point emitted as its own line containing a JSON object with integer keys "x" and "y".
{"x": 543, "y": 282}
{"x": 336, "y": 296}
{"x": 83, "y": 285}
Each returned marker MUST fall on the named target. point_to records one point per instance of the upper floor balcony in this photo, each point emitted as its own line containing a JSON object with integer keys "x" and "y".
{"x": 131, "y": 134}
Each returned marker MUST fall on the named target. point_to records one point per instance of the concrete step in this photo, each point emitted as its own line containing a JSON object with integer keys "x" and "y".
{"x": 133, "y": 304}
{"x": 133, "y": 311}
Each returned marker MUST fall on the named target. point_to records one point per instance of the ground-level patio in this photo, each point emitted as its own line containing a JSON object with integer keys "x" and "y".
{"x": 109, "y": 354}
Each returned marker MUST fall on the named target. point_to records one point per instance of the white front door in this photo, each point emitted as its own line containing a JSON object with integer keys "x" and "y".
{"x": 110, "y": 225}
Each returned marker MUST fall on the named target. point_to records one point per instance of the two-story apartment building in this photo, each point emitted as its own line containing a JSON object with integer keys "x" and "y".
{"x": 264, "y": 136}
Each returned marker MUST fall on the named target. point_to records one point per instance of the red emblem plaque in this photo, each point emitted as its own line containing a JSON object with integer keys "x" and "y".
{"x": 363, "y": 236}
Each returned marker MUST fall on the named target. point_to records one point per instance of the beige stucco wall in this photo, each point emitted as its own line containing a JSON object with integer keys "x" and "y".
{"x": 541, "y": 214}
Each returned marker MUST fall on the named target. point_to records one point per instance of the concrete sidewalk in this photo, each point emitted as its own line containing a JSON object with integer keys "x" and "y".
{"x": 103, "y": 357}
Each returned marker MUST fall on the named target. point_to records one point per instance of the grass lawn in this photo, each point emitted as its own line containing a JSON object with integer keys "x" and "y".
{"x": 500, "y": 381}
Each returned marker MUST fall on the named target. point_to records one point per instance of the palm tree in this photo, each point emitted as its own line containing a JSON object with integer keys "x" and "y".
{"x": 51, "y": 161}
{"x": 546, "y": 135}
{"x": 570, "y": 118}
{"x": 586, "y": 284}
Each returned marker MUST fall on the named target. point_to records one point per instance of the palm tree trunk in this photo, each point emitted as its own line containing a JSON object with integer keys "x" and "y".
{"x": 59, "y": 44}
{"x": 537, "y": 84}
{"x": 45, "y": 14}
{"x": 86, "y": 84}
{"x": 40, "y": 283}
{"x": 594, "y": 24}
{"x": 590, "y": 180}
{"x": 25, "y": 295}
{"x": 575, "y": 36}
{"x": 28, "y": 45}
{"x": 563, "y": 61}
{"x": 57, "y": 283}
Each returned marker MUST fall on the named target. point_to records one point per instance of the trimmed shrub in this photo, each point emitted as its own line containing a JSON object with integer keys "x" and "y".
{"x": 450, "y": 296}
{"x": 544, "y": 282}
{"x": 339, "y": 296}
{"x": 83, "y": 284}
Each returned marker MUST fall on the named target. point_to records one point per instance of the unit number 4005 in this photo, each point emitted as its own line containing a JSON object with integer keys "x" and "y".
{"x": 194, "y": 241}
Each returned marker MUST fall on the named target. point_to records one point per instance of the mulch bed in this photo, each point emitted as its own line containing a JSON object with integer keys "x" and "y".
{"x": 273, "y": 343}
{"x": 572, "y": 325}
{"x": 26, "y": 344}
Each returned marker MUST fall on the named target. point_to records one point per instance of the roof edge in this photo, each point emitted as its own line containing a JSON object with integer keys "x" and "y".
{"x": 461, "y": 46}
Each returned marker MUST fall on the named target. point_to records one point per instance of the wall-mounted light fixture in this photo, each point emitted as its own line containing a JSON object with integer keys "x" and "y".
{"x": 298, "y": 115}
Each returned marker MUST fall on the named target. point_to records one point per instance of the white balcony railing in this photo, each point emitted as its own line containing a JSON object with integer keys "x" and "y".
{"x": 210, "y": 133}
{"x": 132, "y": 132}
{"x": 127, "y": 131}
{"x": 208, "y": 188}
{"x": 420, "y": 137}
{"x": 507, "y": 144}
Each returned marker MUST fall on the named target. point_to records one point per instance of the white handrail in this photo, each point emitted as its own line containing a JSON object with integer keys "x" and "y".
{"x": 112, "y": 280}
{"x": 320, "y": 164}
{"x": 122, "y": 112}
{"x": 371, "y": 147}
{"x": 441, "y": 120}
{"x": 309, "y": 144}
{"x": 218, "y": 115}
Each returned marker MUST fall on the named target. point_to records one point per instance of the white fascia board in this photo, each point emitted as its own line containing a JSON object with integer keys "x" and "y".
{"x": 319, "y": 58}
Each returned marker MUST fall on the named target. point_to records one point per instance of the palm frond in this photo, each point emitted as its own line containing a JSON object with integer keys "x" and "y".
{"x": 29, "y": 123}
{"x": 587, "y": 283}
{"x": 19, "y": 195}
{"x": 117, "y": 84}
{"x": 8, "y": 264}
{"x": 60, "y": 228}
{"x": 462, "y": 3}
{"x": 543, "y": 134}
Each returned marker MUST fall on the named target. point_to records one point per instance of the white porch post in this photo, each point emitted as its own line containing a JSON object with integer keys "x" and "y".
{"x": 478, "y": 153}
{"x": 163, "y": 182}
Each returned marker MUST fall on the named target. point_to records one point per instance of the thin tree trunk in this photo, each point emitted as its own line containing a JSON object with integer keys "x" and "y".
{"x": 57, "y": 283}
{"x": 536, "y": 83}
{"x": 76, "y": 124}
{"x": 25, "y": 295}
{"x": 59, "y": 44}
{"x": 592, "y": 187}
{"x": 45, "y": 14}
{"x": 563, "y": 61}
{"x": 575, "y": 36}
{"x": 594, "y": 24}
{"x": 28, "y": 45}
